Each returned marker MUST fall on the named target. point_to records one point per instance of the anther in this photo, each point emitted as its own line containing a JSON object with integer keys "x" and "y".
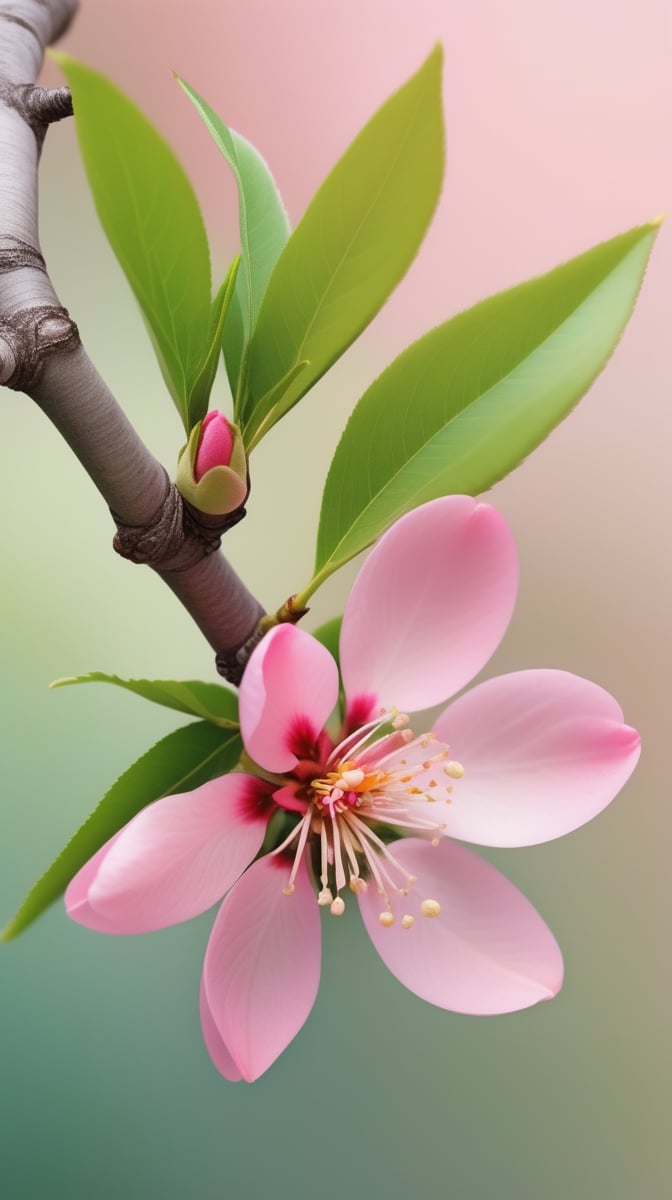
{"x": 353, "y": 777}
{"x": 430, "y": 908}
{"x": 407, "y": 921}
{"x": 454, "y": 769}
{"x": 358, "y": 885}
{"x": 337, "y": 907}
{"x": 386, "y": 919}
{"x": 325, "y": 897}
{"x": 289, "y": 890}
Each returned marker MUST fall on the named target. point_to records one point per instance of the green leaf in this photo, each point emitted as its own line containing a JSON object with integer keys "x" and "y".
{"x": 200, "y": 394}
{"x": 356, "y": 240}
{"x": 210, "y": 701}
{"x": 465, "y": 404}
{"x": 180, "y": 762}
{"x": 150, "y": 214}
{"x": 264, "y": 229}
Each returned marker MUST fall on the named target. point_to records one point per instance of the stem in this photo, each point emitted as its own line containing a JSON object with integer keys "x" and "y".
{"x": 41, "y": 354}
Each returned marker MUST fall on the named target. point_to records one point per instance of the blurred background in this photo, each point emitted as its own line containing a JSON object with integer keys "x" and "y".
{"x": 558, "y": 120}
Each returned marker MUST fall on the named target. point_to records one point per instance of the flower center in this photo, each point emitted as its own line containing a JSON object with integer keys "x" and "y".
{"x": 378, "y": 780}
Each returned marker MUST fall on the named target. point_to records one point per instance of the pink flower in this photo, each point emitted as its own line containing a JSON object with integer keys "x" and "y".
{"x": 373, "y": 812}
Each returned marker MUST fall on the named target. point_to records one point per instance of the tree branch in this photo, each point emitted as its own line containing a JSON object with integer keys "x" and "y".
{"x": 41, "y": 354}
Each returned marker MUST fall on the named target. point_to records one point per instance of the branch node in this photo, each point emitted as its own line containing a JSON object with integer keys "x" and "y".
{"x": 15, "y": 254}
{"x": 177, "y": 531}
{"x": 38, "y": 106}
{"x": 27, "y": 339}
{"x": 161, "y": 538}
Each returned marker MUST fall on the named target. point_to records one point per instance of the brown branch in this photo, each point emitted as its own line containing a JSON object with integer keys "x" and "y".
{"x": 41, "y": 354}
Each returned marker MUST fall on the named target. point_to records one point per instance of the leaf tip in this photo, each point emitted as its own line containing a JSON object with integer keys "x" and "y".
{"x": 436, "y": 53}
{"x": 9, "y": 932}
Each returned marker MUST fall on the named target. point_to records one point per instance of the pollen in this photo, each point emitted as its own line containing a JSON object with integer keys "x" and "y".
{"x": 430, "y": 908}
{"x": 337, "y": 907}
{"x": 454, "y": 769}
{"x": 386, "y": 919}
{"x": 358, "y": 885}
{"x": 325, "y": 897}
{"x": 407, "y": 921}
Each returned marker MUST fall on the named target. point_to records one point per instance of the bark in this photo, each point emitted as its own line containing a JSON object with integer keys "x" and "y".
{"x": 41, "y": 354}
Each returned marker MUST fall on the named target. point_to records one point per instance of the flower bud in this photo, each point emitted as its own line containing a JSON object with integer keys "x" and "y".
{"x": 215, "y": 444}
{"x": 212, "y": 468}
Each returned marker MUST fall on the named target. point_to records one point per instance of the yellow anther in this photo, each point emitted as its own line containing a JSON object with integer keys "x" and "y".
{"x": 287, "y": 891}
{"x": 337, "y": 907}
{"x": 407, "y": 921}
{"x": 386, "y": 919}
{"x": 430, "y": 908}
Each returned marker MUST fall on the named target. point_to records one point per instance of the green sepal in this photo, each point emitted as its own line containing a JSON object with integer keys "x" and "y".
{"x": 180, "y": 762}
{"x": 222, "y": 489}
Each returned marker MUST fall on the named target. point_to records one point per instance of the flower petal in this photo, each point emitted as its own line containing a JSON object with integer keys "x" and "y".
{"x": 289, "y": 688}
{"x": 487, "y": 952}
{"x": 430, "y": 604}
{"x": 77, "y": 893}
{"x": 262, "y": 965}
{"x": 175, "y": 859}
{"x": 215, "y": 1046}
{"x": 543, "y": 752}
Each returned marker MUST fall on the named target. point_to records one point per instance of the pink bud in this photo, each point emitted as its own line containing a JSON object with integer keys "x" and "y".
{"x": 215, "y": 444}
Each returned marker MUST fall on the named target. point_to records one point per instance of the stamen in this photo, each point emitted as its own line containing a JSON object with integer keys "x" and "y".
{"x": 358, "y": 885}
{"x": 351, "y": 744}
{"x": 407, "y": 921}
{"x": 454, "y": 769}
{"x": 324, "y": 848}
{"x": 350, "y": 851}
{"x": 339, "y": 869}
{"x": 337, "y": 907}
{"x": 430, "y": 908}
{"x": 325, "y": 897}
{"x": 304, "y": 826}
{"x": 386, "y": 919}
